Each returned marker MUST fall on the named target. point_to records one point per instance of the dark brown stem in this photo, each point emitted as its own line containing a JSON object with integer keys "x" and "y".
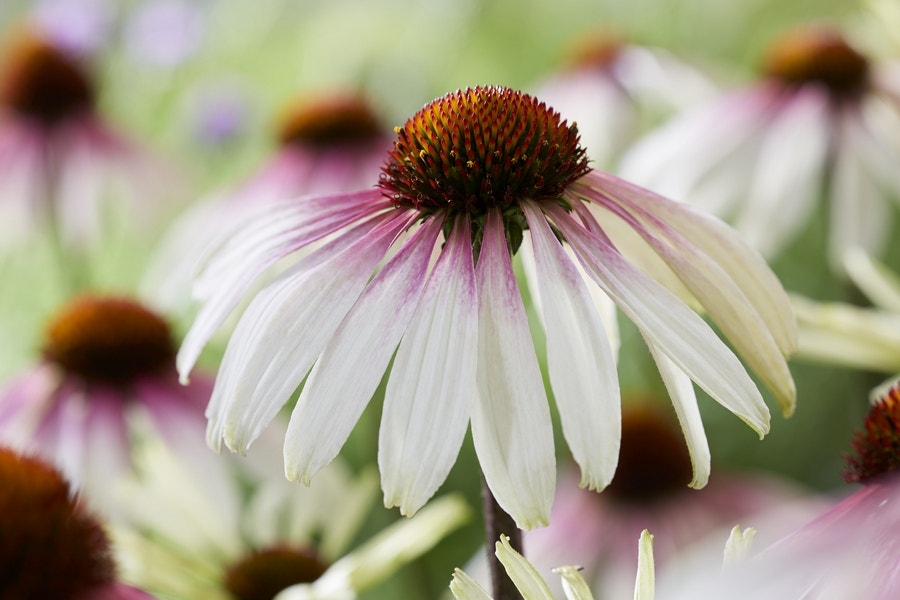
{"x": 497, "y": 522}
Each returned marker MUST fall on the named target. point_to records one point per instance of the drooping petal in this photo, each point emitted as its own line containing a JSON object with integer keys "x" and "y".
{"x": 704, "y": 155}
{"x": 684, "y": 400}
{"x": 745, "y": 265}
{"x": 787, "y": 177}
{"x": 228, "y": 275}
{"x": 579, "y": 359}
{"x": 107, "y": 447}
{"x": 511, "y": 425}
{"x": 352, "y": 364}
{"x": 283, "y": 331}
{"x": 859, "y": 212}
{"x": 431, "y": 389}
{"x": 679, "y": 332}
{"x": 880, "y": 284}
{"x": 722, "y": 298}
{"x": 526, "y": 578}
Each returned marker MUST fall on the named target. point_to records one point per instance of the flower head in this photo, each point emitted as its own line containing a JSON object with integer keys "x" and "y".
{"x": 106, "y": 360}
{"x": 423, "y": 265}
{"x": 821, "y": 120}
{"x": 51, "y": 547}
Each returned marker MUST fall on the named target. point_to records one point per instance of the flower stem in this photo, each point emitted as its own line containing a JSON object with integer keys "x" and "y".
{"x": 496, "y": 521}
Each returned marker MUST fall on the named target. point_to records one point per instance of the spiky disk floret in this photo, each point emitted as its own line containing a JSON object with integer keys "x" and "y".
{"x": 482, "y": 148}
{"x": 878, "y": 445}
{"x": 49, "y": 547}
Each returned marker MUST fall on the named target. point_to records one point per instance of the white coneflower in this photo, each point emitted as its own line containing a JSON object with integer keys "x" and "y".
{"x": 418, "y": 271}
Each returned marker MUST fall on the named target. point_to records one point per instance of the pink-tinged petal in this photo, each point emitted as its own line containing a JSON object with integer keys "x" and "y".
{"x": 860, "y": 215}
{"x": 432, "y": 383}
{"x": 175, "y": 415}
{"x": 23, "y": 182}
{"x": 678, "y": 332}
{"x": 80, "y": 198}
{"x": 703, "y": 155}
{"x": 603, "y": 111}
{"x": 107, "y": 452}
{"x": 510, "y": 419}
{"x": 744, "y": 265}
{"x": 787, "y": 180}
{"x": 245, "y": 256}
{"x": 684, "y": 400}
{"x": 116, "y": 591}
{"x": 875, "y": 130}
{"x": 62, "y": 434}
{"x": 353, "y": 363}
{"x": 285, "y": 328}
{"x": 605, "y": 307}
{"x": 579, "y": 359}
{"x": 25, "y": 401}
{"x": 722, "y": 298}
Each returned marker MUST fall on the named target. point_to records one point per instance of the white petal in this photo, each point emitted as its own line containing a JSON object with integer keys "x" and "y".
{"x": 283, "y": 331}
{"x": 645, "y": 581}
{"x": 880, "y": 284}
{"x": 432, "y": 383}
{"x": 231, "y": 271}
{"x": 859, "y": 213}
{"x": 464, "y": 587}
{"x": 526, "y": 578}
{"x": 723, "y": 299}
{"x": 738, "y": 545}
{"x": 579, "y": 359}
{"x": 678, "y": 331}
{"x": 745, "y": 265}
{"x": 788, "y": 174}
{"x": 684, "y": 400}
{"x": 511, "y": 425}
{"x": 354, "y": 361}
{"x": 703, "y": 155}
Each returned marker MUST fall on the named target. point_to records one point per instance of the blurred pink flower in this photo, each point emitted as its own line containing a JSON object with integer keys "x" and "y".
{"x": 65, "y": 170}
{"x": 614, "y": 90}
{"x": 327, "y": 143}
{"x": 649, "y": 491}
{"x": 107, "y": 370}
{"x": 822, "y": 120}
